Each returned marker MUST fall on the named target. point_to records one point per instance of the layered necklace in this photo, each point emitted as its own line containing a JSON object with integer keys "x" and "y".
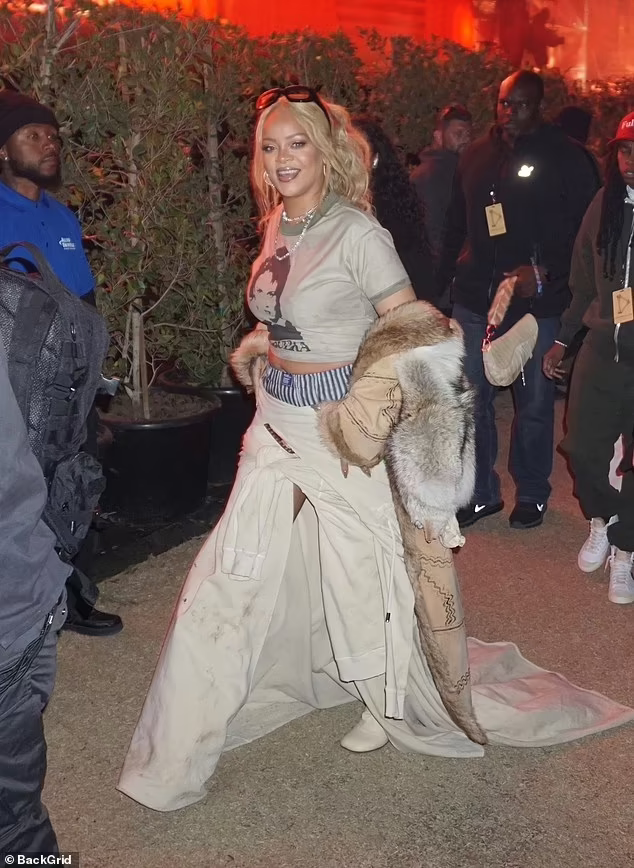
{"x": 303, "y": 218}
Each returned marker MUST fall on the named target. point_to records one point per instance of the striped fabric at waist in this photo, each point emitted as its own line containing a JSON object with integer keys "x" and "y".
{"x": 307, "y": 390}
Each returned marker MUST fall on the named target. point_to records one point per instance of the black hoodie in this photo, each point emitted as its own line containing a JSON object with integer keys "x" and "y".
{"x": 544, "y": 183}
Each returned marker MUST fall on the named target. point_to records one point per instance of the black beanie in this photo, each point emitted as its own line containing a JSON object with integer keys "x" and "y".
{"x": 18, "y": 110}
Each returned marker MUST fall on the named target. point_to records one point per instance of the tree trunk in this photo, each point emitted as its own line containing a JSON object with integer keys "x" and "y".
{"x": 216, "y": 223}
{"x": 139, "y": 394}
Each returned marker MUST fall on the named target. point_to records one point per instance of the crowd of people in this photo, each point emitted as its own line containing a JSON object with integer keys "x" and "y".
{"x": 330, "y": 575}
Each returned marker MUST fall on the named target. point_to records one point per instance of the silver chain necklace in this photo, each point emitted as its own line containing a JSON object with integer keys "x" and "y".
{"x": 307, "y": 218}
{"x": 301, "y": 218}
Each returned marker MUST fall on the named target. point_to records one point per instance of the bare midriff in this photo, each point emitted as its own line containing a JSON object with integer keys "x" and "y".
{"x": 302, "y": 367}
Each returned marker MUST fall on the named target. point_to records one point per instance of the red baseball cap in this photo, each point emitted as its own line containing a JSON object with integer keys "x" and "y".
{"x": 625, "y": 132}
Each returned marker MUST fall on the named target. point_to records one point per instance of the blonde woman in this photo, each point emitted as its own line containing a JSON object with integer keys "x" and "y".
{"x": 299, "y": 599}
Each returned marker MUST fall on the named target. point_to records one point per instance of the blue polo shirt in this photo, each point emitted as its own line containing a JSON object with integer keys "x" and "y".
{"x": 53, "y": 228}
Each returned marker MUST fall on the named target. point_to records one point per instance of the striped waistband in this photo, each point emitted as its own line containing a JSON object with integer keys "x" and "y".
{"x": 307, "y": 390}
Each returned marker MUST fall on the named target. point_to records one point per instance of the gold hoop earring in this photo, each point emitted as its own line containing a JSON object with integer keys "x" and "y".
{"x": 267, "y": 180}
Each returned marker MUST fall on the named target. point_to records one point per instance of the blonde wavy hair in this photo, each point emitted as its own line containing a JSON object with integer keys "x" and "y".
{"x": 345, "y": 152}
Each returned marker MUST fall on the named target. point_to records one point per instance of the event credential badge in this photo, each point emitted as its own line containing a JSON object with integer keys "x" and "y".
{"x": 495, "y": 219}
{"x": 622, "y": 305}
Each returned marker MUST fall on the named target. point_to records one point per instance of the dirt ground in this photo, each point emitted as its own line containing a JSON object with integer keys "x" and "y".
{"x": 295, "y": 799}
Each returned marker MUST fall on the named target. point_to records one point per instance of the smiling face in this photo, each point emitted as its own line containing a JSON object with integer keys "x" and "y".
{"x": 291, "y": 161}
{"x": 625, "y": 159}
{"x": 31, "y": 158}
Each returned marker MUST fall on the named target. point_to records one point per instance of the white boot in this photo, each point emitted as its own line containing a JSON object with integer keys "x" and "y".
{"x": 367, "y": 735}
{"x": 596, "y": 548}
{"x": 621, "y": 588}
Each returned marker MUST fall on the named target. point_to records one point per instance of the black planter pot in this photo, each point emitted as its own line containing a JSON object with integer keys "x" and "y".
{"x": 157, "y": 471}
{"x": 230, "y": 423}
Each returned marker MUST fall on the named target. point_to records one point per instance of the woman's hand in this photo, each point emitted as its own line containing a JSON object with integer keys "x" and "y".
{"x": 526, "y": 283}
{"x": 551, "y": 363}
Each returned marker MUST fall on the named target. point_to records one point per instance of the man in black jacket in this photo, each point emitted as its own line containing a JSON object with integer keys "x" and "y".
{"x": 519, "y": 196}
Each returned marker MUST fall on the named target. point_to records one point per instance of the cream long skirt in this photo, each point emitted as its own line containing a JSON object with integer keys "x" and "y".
{"x": 277, "y": 618}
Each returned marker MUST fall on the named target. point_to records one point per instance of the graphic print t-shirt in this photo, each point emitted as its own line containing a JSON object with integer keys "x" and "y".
{"x": 319, "y": 302}
{"x": 265, "y": 302}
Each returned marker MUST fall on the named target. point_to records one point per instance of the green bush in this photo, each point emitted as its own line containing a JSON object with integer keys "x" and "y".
{"x": 157, "y": 116}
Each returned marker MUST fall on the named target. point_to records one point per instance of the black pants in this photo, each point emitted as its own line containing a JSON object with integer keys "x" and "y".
{"x": 79, "y": 587}
{"x": 27, "y": 676}
{"x": 600, "y": 410}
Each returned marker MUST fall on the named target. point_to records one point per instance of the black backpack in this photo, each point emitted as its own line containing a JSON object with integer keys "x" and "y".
{"x": 55, "y": 345}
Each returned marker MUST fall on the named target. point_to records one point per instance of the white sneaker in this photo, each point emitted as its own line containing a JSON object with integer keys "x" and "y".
{"x": 621, "y": 588}
{"x": 367, "y": 735}
{"x": 596, "y": 548}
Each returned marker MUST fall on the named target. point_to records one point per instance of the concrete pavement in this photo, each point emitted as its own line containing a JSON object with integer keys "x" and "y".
{"x": 296, "y": 800}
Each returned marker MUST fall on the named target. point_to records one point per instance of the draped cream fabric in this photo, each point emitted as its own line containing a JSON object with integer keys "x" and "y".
{"x": 278, "y": 618}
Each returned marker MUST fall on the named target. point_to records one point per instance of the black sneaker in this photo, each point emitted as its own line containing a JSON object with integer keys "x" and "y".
{"x": 88, "y": 621}
{"x": 526, "y": 515}
{"x": 475, "y": 511}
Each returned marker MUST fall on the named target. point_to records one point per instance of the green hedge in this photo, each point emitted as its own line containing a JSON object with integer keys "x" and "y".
{"x": 157, "y": 116}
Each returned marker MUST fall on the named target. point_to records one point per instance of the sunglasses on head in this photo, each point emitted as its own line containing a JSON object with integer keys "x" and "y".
{"x": 293, "y": 93}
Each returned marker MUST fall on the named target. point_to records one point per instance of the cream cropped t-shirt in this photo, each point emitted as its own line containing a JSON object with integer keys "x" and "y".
{"x": 319, "y": 302}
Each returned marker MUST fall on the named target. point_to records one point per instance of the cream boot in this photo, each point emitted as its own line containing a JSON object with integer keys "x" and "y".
{"x": 367, "y": 735}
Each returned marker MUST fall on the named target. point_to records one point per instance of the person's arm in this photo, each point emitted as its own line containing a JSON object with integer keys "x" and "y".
{"x": 582, "y": 280}
{"x": 400, "y": 297}
{"x": 85, "y": 284}
{"x": 582, "y": 285}
{"x": 581, "y": 183}
{"x": 453, "y": 235}
{"x": 375, "y": 267}
{"x": 31, "y": 574}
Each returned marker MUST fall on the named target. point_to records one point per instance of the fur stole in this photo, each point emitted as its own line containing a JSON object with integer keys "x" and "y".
{"x": 248, "y": 360}
{"x": 411, "y": 405}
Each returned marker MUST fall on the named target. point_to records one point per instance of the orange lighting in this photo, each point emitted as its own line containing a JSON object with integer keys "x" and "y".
{"x": 420, "y": 19}
{"x": 464, "y": 32}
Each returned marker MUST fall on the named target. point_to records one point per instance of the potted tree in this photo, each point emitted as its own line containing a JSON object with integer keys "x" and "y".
{"x": 158, "y": 114}
{"x": 131, "y": 92}
{"x": 172, "y": 287}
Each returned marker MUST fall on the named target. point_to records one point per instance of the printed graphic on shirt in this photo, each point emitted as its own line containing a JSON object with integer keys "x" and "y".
{"x": 266, "y": 303}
